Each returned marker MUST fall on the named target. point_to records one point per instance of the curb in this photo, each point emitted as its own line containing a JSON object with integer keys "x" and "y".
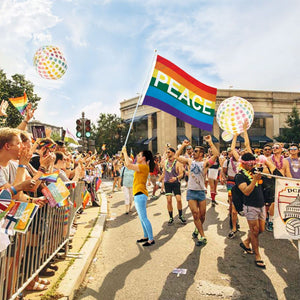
{"x": 75, "y": 274}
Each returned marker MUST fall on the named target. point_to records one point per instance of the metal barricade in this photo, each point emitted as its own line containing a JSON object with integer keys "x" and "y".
{"x": 29, "y": 253}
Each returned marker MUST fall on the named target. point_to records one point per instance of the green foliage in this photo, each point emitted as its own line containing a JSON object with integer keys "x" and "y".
{"x": 112, "y": 131}
{"x": 12, "y": 88}
{"x": 291, "y": 134}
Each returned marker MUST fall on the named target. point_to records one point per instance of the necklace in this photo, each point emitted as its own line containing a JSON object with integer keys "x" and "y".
{"x": 233, "y": 165}
{"x": 278, "y": 165}
{"x": 248, "y": 175}
{"x": 168, "y": 167}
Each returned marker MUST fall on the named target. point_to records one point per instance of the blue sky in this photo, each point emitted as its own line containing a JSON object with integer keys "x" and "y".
{"x": 109, "y": 46}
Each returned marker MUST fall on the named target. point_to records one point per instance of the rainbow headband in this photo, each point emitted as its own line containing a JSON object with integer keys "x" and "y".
{"x": 248, "y": 162}
{"x": 47, "y": 145}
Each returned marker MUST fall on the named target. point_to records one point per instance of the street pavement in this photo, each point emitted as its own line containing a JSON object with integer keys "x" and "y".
{"x": 123, "y": 269}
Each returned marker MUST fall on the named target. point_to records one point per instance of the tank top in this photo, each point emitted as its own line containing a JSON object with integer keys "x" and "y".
{"x": 216, "y": 165}
{"x": 294, "y": 167}
{"x": 170, "y": 170}
{"x": 196, "y": 178}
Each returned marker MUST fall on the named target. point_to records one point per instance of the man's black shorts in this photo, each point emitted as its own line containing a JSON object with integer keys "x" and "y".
{"x": 117, "y": 174}
{"x": 172, "y": 188}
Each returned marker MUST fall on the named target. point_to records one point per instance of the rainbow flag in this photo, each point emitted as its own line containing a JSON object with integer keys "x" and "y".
{"x": 20, "y": 103}
{"x": 86, "y": 198}
{"x": 51, "y": 177}
{"x": 174, "y": 91}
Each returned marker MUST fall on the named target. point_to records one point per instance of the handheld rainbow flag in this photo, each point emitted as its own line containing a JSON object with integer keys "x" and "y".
{"x": 20, "y": 103}
{"x": 51, "y": 177}
{"x": 131, "y": 154}
{"x": 174, "y": 91}
{"x": 86, "y": 198}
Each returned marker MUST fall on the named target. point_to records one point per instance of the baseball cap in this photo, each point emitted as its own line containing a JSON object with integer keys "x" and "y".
{"x": 189, "y": 147}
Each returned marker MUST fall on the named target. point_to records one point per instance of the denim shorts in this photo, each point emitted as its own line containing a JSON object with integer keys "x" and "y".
{"x": 195, "y": 195}
{"x": 254, "y": 213}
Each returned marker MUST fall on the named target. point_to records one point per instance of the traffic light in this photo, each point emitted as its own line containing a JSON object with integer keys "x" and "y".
{"x": 79, "y": 128}
{"x": 87, "y": 126}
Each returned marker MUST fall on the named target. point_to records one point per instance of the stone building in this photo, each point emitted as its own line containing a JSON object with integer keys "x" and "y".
{"x": 155, "y": 128}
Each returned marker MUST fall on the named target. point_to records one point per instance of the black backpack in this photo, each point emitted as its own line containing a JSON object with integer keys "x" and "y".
{"x": 237, "y": 199}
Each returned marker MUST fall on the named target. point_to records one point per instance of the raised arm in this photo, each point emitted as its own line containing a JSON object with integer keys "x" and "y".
{"x": 246, "y": 137}
{"x": 182, "y": 159}
{"x": 233, "y": 147}
{"x": 127, "y": 161}
{"x": 215, "y": 152}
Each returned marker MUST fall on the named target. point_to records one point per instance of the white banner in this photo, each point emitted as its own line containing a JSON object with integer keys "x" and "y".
{"x": 287, "y": 209}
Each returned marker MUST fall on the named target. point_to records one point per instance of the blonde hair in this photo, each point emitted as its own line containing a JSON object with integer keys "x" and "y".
{"x": 7, "y": 134}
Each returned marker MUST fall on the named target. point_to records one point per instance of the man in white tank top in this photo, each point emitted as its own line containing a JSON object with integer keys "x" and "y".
{"x": 196, "y": 184}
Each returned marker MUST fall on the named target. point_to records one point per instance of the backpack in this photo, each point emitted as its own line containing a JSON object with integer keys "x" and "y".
{"x": 237, "y": 198}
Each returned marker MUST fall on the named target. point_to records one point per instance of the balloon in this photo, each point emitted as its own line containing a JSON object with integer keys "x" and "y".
{"x": 50, "y": 62}
{"x": 227, "y": 136}
{"x": 233, "y": 112}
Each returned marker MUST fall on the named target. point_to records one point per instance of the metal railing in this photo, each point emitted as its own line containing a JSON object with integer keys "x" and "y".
{"x": 29, "y": 253}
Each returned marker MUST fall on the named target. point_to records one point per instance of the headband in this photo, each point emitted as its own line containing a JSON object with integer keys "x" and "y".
{"x": 248, "y": 162}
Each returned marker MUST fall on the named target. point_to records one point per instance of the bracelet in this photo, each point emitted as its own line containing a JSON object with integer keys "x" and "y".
{"x": 13, "y": 189}
{"x": 30, "y": 200}
{"x": 42, "y": 169}
{"x": 211, "y": 161}
{"x": 25, "y": 121}
{"x": 22, "y": 166}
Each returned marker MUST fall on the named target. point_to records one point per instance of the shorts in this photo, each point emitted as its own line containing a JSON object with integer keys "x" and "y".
{"x": 229, "y": 185}
{"x": 172, "y": 188}
{"x": 195, "y": 195}
{"x": 212, "y": 174}
{"x": 254, "y": 213}
{"x": 117, "y": 174}
{"x": 153, "y": 179}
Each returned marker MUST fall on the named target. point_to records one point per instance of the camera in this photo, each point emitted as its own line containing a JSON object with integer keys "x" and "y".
{"x": 256, "y": 170}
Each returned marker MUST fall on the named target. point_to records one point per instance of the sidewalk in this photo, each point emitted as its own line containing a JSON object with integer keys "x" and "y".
{"x": 72, "y": 269}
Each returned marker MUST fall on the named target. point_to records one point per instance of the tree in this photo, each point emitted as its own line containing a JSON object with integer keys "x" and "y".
{"x": 12, "y": 88}
{"x": 112, "y": 131}
{"x": 291, "y": 134}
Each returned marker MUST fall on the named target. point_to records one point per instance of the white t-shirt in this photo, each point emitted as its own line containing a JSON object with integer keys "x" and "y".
{"x": 230, "y": 170}
{"x": 8, "y": 173}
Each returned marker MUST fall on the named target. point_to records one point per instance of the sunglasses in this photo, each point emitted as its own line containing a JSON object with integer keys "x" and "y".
{"x": 293, "y": 148}
{"x": 267, "y": 149}
{"x": 276, "y": 147}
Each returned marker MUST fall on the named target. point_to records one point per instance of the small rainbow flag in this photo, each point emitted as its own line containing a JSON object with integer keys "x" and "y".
{"x": 20, "y": 103}
{"x": 131, "y": 154}
{"x": 86, "y": 198}
{"x": 51, "y": 177}
{"x": 174, "y": 91}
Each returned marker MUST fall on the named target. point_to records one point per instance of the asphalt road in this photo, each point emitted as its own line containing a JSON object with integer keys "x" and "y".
{"x": 123, "y": 269}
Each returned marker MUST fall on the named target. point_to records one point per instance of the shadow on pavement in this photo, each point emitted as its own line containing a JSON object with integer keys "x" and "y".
{"x": 177, "y": 287}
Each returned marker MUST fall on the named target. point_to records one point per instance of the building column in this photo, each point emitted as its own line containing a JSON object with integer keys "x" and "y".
{"x": 188, "y": 131}
{"x": 150, "y": 131}
{"x": 276, "y": 124}
{"x": 269, "y": 127}
{"x": 166, "y": 131}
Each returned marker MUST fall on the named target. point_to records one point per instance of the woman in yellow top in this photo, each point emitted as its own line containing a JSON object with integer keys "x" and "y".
{"x": 143, "y": 166}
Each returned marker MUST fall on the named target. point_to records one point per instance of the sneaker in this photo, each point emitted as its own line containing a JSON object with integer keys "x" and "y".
{"x": 213, "y": 203}
{"x": 195, "y": 233}
{"x": 201, "y": 241}
{"x": 269, "y": 226}
{"x": 154, "y": 198}
{"x": 232, "y": 234}
{"x": 182, "y": 219}
{"x": 171, "y": 221}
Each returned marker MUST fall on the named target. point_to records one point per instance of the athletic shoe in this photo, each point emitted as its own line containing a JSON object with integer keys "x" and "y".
{"x": 269, "y": 226}
{"x": 182, "y": 219}
{"x": 201, "y": 241}
{"x": 232, "y": 234}
{"x": 154, "y": 198}
{"x": 195, "y": 233}
{"x": 213, "y": 202}
{"x": 171, "y": 221}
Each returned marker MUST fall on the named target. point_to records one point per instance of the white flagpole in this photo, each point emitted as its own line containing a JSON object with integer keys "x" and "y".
{"x": 141, "y": 95}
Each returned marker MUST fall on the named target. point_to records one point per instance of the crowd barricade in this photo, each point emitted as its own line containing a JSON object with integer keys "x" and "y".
{"x": 29, "y": 253}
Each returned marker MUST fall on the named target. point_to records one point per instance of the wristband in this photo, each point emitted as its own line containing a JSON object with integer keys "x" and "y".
{"x": 22, "y": 166}
{"x": 42, "y": 169}
{"x": 25, "y": 121}
{"x": 13, "y": 189}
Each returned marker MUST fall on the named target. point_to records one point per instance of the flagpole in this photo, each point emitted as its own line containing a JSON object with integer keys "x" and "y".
{"x": 140, "y": 97}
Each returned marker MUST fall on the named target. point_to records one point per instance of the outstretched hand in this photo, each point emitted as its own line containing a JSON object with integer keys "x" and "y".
{"x": 3, "y": 107}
